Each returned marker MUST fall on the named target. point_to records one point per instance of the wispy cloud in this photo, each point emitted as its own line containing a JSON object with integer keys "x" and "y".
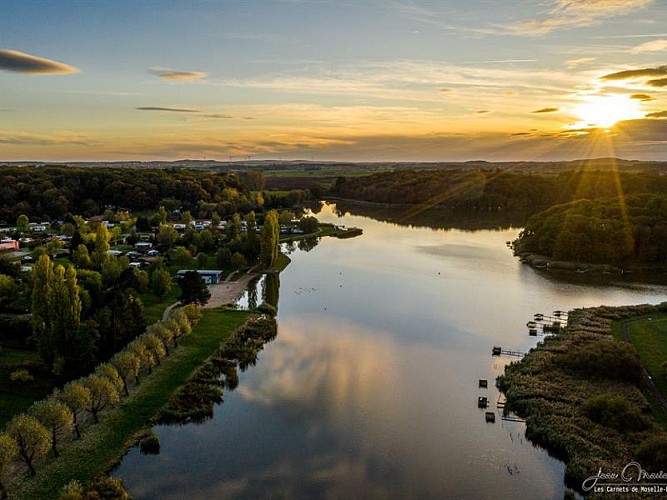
{"x": 19, "y": 62}
{"x": 652, "y": 46}
{"x": 573, "y": 63}
{"x": 170, "y": 110}
{"x": 657, "y": 114}
{"x": 642, "y": 97}
{"x": 545, "y": 110}
{"x": 170, "y": 74}
{"x": 30, "y": 139}
{"x": 633, "y": 74}
{"x": 661, "y": 82}
{"x": 568, "y": 14}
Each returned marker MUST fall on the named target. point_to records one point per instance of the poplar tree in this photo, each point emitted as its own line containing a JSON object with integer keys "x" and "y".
{"x": 268, "y": 250}
{"x": 102, "y": 236}
{"x": 42, "y": 281}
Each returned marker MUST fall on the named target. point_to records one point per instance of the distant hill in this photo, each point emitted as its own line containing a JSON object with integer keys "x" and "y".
{"x": 264, "y": 165}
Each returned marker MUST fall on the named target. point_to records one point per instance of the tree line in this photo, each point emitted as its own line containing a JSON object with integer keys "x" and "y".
{"x": 494, "y": 190}
{"x": 50, "y": 422}
{"x": 50, "y": 193}
{"x": 618, "y": 231}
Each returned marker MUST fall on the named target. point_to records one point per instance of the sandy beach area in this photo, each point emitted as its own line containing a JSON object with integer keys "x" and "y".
{"x": 228, "y": 291}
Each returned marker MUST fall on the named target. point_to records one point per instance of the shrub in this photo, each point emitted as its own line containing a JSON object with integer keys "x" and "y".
{"x": 150, "y": 444}
{"x": 605, "y": 359}
{"x": 267, "y": 309}
{"x": 22, "y": 376}
{"x": 615, "y": 412}
{"x": 652, "y": 453}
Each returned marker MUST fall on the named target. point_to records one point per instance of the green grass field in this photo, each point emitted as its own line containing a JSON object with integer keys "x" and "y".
{"x": 16, "y": 397}
{"x": 102, "y": 445}
{"x": 153, "y": 308}
{"x": 649, "y": 336}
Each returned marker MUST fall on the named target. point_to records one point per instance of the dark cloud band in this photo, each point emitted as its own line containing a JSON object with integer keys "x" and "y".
{"x": 19, "y": 62}
{"x": 170, "y": 110}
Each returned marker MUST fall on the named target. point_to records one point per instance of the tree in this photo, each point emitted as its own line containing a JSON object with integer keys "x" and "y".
{"x": 193, "y": 289}
{"x": 77, "y": 397}
{"x": 8, "y": 452}
{"x": 55, "y": 416}
{"x": 233, "y": 227}
{"x": 286, "y": 217}
{"x": 31, "y": 437}
{"x": 81, "y": 257}
{"x": 102, "y": 236}
{"x": 160, "y": 283}
{"x": 269, "y": 239}
{"x": 102, "y": 394}
{"x": 192, "y": 312}
{"x": 109, "y": 371}
{"x": 162, "y": 215}
{"x": 167, "y": 236}
{"x": 154, "y": 346}
{"x": 166, "y": 335}
{"x": 252, "y": 240}
{"x": 238, "y": 261}
{"x": 41, "y": 311}
{"x": 127, "y": 365}
{"x": 146, "y": 359}
{"x": 186, "y": 218}
{"x": 22, "y": 222}
{"x": 184, "y": 325}
{"x": 309, "y": 224}
{"x": 182, "y": 256}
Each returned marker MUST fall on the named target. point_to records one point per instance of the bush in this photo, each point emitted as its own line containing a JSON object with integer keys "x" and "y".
{"x": 615, "y": 412}
{"x": 22, "y": 375}
{"x": 150, "y": 445}
{"x": 605, "y": 359}
{"x": 267, "y": 309}
{"x": 652, "y": 454}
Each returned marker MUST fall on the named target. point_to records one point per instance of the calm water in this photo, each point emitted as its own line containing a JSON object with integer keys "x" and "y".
{"x": 370, "y": 389}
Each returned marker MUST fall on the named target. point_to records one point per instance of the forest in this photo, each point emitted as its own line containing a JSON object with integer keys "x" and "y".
{"x": 494, "y": 190}
{"x": 618, "y": 231}
{"x": 49, "y": 193}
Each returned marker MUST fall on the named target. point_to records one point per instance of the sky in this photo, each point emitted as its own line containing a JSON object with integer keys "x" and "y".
{"x": 344, "y": 80}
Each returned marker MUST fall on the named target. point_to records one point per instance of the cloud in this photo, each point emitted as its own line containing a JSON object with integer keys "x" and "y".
{"x": 29, "y": 139}
{"x": 483, "y": 111}
{"x": 19, "y": 62}
{"x": 568, "y": 14}
{"x": 219, "y": 116}
{"x": 170, "y": 74}
{"x": 515, "y": 134}
{"x": 657, "y": 114}
{"x": 652, "y": 46}
{"x": 632, "y": 74}
{"x": 642, "y": 97}
{"x": 545, "y": 110}
{"x": 662, "y": 82}
{"x": 171, "y": 110}
{"x": 571, "y": 63}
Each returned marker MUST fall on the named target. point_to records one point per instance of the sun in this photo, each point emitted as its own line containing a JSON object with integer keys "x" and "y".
{"x": 606, "y": 111}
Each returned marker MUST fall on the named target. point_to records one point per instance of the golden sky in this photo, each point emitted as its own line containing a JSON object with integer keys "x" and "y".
{"x": 364, "y": 80}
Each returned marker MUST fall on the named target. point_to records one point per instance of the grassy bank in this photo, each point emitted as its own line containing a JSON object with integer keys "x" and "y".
{"x": 579, "y": 393}
{"x": 102, "y": 445}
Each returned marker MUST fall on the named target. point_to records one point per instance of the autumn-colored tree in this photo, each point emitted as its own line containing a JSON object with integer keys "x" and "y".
{"x": 268, "y": 242}
{"x": 165, "y": 334}
{"x": 77, "y": 397}
{"x": 9, "y": 450}
{"x": 31, "y": 437}
{"x": 127, "y": 365}
{"x": 154, "y": 346}
{"x": 146, "y": 359}
{"x": 56, "y": 417}
{"x": 160, "y": 283}
{"x": 100, "y": 255}
{"x": 109, "y": 371}
{"x": 192, "y": 312}
{"x": 102, "y": 394}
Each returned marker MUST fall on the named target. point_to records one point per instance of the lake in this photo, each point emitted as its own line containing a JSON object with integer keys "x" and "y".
{"x": 370, "y": 388}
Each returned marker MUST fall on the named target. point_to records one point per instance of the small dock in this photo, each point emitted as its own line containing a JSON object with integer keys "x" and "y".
{"x": 499, "y": 351}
